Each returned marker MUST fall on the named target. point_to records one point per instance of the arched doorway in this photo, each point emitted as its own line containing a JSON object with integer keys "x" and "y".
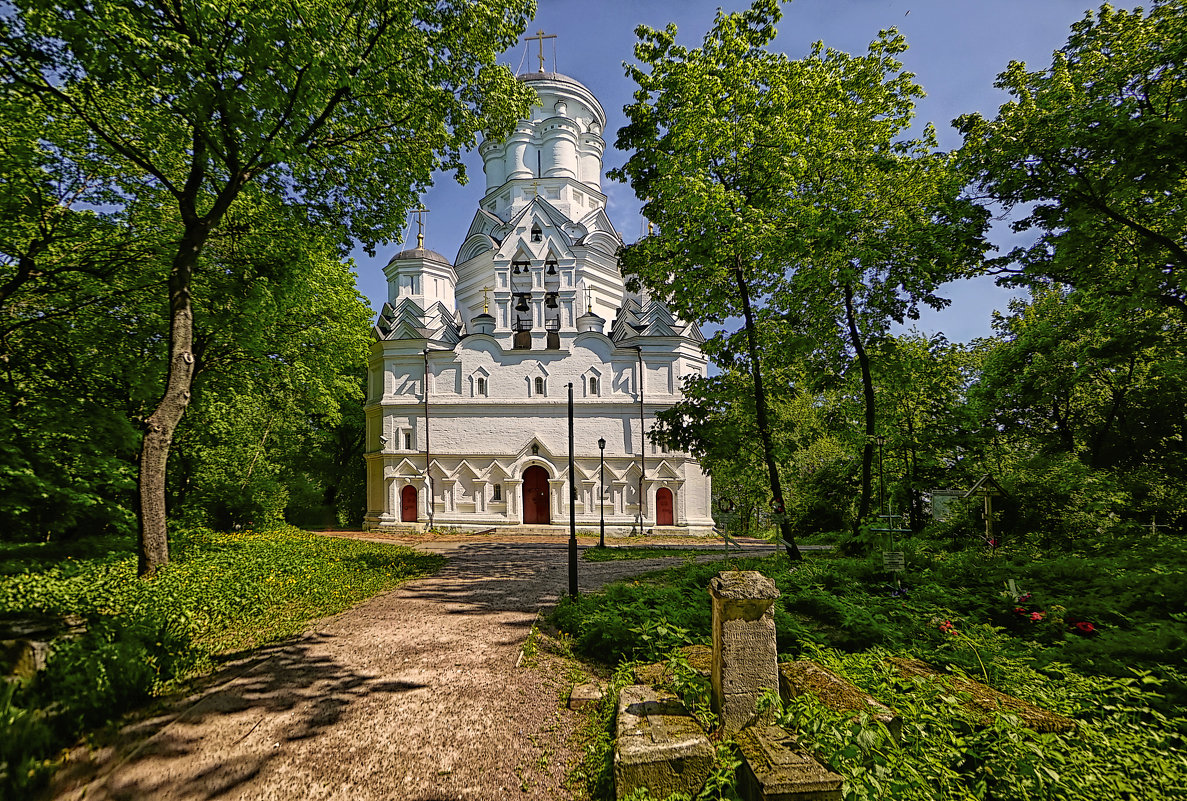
{"x": 408, "y": 504}
{"x": 663, "y": 507}
{"x": 535, "y": 496}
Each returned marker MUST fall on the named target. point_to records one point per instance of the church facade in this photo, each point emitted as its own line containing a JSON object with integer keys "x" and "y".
{"x": 469, "y": 376}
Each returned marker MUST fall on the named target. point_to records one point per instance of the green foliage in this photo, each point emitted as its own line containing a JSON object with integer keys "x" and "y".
{"x": 1123, "y": 683}
{"x": 1092, "y": 148}
{"x": 1123, "y": 746}
{"x": 223, "y": 592}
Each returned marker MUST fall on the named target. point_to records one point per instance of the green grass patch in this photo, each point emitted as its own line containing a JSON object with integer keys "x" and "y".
{"x": 221, "y": 593}
{"x": 610, "y": 554}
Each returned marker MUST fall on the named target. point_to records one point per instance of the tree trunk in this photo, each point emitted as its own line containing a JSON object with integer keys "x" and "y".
{"x": 779, "y": 509}
{"x": 867, "y": 387}
{"x": 159, "y": 428}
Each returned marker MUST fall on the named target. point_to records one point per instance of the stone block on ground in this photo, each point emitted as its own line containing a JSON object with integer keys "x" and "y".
{"x": 985, "y": 701}
{"x": 809, "y": 678}
{"x": 585, "y": 695}
{"x": 776, "y": 768}
{"x": 659, "y": 745}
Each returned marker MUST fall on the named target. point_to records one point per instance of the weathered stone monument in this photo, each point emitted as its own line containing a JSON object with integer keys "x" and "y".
{"x": 660, "y": 746}
{"x": 745, "y": 661}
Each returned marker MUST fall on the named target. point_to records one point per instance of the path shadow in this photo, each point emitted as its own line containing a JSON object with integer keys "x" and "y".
{"x": 291, "y": 677}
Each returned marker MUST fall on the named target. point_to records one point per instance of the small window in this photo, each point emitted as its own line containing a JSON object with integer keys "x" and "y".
{"x": 539, "y": 385}
{"x": 537, "y": 234}
{"x": 593, "y": 386}
{"x": 407, "y": 440}
{"x": 481, "y": 389}
{"x": 497, "y": 494}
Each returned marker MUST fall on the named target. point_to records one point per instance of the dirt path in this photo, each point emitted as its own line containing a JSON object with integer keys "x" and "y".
{"x": 413, "y": 695}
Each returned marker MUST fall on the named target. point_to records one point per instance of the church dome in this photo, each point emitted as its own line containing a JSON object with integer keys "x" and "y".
{"x": 422, "y": 254}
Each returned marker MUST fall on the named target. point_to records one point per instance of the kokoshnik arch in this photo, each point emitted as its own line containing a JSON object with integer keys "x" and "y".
{"x": 467, "y": 387}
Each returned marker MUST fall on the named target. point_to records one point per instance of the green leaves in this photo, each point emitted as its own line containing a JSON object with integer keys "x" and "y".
{"x": 1092, "y": 150}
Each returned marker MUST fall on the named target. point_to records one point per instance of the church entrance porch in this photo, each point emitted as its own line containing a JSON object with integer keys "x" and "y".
{"x": 408, "y": 504}
{"x": 663, "y": 507}
{"x": 535, "y": 496}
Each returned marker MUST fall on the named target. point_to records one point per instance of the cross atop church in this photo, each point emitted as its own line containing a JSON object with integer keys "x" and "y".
{"x": 485, "y": 300}
{"x": 540, "y": 37}
{"x": 420, "y": 225}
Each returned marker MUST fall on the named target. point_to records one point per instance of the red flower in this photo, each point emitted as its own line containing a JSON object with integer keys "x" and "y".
{"x": 1084, "y": 627}
{"x": 1036, "y": 616}
{"x": 947, "y": 627}
{"x": 1020, "y": 610}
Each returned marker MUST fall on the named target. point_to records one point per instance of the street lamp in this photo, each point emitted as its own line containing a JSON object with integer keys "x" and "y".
{"x": 602, "y": 493}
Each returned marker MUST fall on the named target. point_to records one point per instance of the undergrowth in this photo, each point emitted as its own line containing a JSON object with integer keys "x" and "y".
{"x": 1098, "y": 635}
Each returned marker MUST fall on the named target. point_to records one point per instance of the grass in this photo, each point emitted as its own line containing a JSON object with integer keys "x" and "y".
{"x": 221, "y": 593}
{"x": 1098, "y": 635}
{"x": 643, "y": 552}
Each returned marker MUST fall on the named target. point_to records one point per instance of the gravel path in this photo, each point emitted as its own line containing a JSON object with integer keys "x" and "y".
{"x": 413, "y": 695}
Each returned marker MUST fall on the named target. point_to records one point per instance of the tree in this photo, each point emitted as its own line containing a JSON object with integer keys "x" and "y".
{"x": 346, "y": 111}
{"x": 1094, "y": 150}
{"x": 786, "y": 184}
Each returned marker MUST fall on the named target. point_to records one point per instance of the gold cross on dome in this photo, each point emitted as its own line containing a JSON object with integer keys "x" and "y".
{"x": 485, "y": 302}
{"x": 540, "y": 37}
{"x": 420, "y": 225}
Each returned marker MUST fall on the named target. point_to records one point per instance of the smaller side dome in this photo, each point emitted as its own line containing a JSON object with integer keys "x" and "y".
{"x": 590, "y": 322}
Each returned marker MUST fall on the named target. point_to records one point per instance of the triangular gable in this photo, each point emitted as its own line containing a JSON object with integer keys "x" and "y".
{"x": 665, "y": 470}
{"x": 406, "y": 467}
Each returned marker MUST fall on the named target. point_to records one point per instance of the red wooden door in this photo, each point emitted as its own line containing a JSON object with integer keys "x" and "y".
{"x": 663, "y": 507}
{"x": 408, "y": 504}
{"x": 535, "y": 496}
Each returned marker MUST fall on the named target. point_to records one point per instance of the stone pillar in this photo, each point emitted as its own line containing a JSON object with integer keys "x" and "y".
{"x": 745, "y": 663}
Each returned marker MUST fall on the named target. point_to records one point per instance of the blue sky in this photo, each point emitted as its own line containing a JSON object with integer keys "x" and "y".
{"x": 957, "y": 48}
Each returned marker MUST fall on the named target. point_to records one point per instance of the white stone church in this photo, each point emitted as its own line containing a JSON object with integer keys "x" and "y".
{"x": 467, "y": 401}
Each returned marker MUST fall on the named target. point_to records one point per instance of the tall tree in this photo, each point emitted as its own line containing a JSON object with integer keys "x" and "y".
{"x": 346, "y": 110}
{"x": 787, "y": 184}
{"x": 1094, "y": 150}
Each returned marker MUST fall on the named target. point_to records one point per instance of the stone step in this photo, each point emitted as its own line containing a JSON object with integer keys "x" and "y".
{"x": 840, "y": 695}
{"x": 658, "y": 745}
{"x": 776, "y": 768}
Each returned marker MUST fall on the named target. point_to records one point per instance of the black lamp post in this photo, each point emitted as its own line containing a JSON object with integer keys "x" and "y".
{"x": 602, "y": 493}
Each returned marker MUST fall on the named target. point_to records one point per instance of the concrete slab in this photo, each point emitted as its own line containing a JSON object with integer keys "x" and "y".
{"x": 807, "y": 677}
{"x": 984, "y": 701}
{"x": 659, "y": 745}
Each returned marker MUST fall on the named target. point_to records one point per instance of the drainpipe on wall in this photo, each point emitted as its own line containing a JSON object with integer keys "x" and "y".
{"x": 428, "y": 461}
{"x": 642, "y": 439}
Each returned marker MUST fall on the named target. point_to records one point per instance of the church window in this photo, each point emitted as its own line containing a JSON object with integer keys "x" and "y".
{"x": 497, "y": 494}
{"x": 481, "y": 388}
{"x": 537, "y": 234}
{"x": 593, "y": 385}
{"x": 539, "y": 385}
{"x": 407, "y": 440}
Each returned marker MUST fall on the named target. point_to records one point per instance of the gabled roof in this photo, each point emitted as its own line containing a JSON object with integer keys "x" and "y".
{"x": 406, "y": 320}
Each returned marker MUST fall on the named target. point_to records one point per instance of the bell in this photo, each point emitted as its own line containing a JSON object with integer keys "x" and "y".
{"x": 515, "y": 269}
{"x": 522, "y": 306}
{"x": 552, "y": 268}
{"x": 550, "y": 300}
